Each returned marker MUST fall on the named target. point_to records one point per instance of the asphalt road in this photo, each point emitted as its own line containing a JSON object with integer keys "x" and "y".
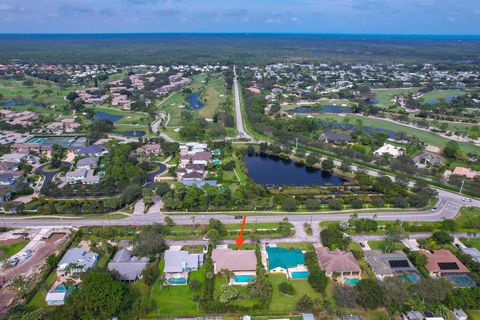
{"x": 238, "y": 109}
{"x": 49, "y": 175}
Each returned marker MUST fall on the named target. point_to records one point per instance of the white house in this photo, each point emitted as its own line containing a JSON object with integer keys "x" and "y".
{"x": 389, "y": 149}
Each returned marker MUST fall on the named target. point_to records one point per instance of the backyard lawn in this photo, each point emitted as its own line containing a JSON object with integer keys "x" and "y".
{"x": 384, "y": 96}
{"x": 175, "y": 300}
{"x": 282, "y": 303}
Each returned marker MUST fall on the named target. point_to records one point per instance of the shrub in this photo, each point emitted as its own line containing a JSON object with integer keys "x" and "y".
{"x": 286, "y": 288}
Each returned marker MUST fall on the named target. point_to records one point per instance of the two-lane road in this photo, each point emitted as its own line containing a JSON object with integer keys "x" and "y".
{"x": 238, "y": 109}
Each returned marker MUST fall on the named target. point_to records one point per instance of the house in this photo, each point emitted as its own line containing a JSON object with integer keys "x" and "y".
{"x": 253, "y": 90}
{"x": 459, "y": 314}
{"x": 339, "y": 265}
{"x": 465, "y": 172}
{"x": 6, "y": 167}
{"x": 425, "y": 158}
{"x": 7, "y": 179}
{"x": 5, "y": 194}
{"x": 389, "y": 149}
{"x": 77, "y": 260}
{"x": 57, "y": 295}
{"x": 444, "y": 264}
{"x": 178, "y": 265}
{"x": 391, "y": 264}
{"x": 150, "y": 149}
{"x": 193, "y": 176}
{"x": 88, "y": 163}
{"x": 97, "y": 150}
{"x": 332, "y": 137}
{"x": 128, "y": 267}
{"x": 412, "y": 315}
{"x": 85, "y": 176}
{"x": 243, "y": 263}
{"x": 288, "y": 261}
{"x": 13, "y": 157}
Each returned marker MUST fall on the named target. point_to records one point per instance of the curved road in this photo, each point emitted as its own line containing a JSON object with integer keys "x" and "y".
{"x": 242, "y": 133}
{"x": 49, "y": 175}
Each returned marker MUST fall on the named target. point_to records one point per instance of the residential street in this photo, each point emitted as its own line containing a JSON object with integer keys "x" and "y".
{"x": 238, "y": 109}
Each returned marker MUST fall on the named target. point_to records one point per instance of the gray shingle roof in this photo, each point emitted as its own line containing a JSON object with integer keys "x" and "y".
{"x": 128, "y": 267}
{"x": 80, "y": 257}
{"x": 179, "y": 261}
{"x": 380, "y": 262}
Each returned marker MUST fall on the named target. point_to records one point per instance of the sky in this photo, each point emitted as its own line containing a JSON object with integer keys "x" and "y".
{"x": 296, "y": 16}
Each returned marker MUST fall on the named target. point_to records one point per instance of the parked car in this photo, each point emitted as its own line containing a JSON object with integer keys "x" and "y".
{"x": 362, "y": 244}
{"x": 14, "y": 261}
{"x": 238, "y": 217}
{"x": 467, "y": 200}
{"x": 205, "y": 238}
{"x": 434, "y": 209}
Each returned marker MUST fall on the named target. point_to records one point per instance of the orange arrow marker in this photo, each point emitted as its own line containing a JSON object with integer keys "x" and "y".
{"x": 239, "y": 240}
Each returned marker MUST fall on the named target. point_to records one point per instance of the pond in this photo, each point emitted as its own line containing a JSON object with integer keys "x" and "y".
{"x": 193, "y": 101}
{"x": 372, "y": 101}
{"x": 107, "y": 116}
{"x": 133, "y": 133}
{"x": 434, "y": 102}
{"x": 320, "y": 109}
{"x": 19, "y": 103}
{"x": 351, "y": 127}
{"x": 271, "y": 170}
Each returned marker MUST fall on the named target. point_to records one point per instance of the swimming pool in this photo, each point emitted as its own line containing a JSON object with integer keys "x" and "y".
{"x": 461, "y": 280}
{"x": 351, "y": 281}
{"x": 411, "y": 278}
{"x": 244, "y": 278}
{"x": 300, "y": 274}
{"x": 177, "y": 280}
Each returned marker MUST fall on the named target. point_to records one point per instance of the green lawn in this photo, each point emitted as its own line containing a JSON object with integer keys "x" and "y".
{"x": 475, "y": 243}
{"x": 38, "y": 300}
{"x": 283, "y": 303}
{"x": 384, "y": 96}
{"x": 474, "y": 314}
{"x": 441, "y": 94}
{"x": 426, "y": 136}
{"x": 379, "y": 245}
{"x": 175, "y": 300}
{"x": 245, "y": 300}
{"x": 10, "y": 249}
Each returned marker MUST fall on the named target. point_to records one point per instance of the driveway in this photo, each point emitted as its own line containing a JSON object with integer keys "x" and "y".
{"x": 49, "y": 175}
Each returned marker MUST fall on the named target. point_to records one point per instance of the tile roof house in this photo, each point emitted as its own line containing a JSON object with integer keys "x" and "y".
{"x": 332, "y": 137}
{"x": 443, "y": 263}
{"x": 77, "y": 260}
{"x": 243, "y": 263}
{"x": 128, "y": 267}
{"x": 466, "y": 172}
{"x": 178, "y": 265}
{"x": 340, "y": 262}
{"x": 425, "y": 158}
{"x": 150, "y": 149}
{"x": 97, "y": 150}
{"x": 13, "y": 157}
{"x": 389, "y": 264}
{"x": 288, "y": 261}
{"x": 88, "y": 163}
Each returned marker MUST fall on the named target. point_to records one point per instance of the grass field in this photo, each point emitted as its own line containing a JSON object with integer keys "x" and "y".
{"x": 475, "y": 243}
{"x": 283, "y": 303}
{"x": 428, "y": 137}
{"x": 441, "y": 94}
{"x": 384, "y": 96}
{"x": 379, "y": 245}
{"x": 10, "y": 249}
{"x": 474, "y": 314}
{"x": 175, "y": 300}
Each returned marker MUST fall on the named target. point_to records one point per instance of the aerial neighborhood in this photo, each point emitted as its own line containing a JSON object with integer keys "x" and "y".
{"x": 302, "y": 189}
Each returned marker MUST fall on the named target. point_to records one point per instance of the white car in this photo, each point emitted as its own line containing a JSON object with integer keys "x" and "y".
{"x": 467, "y": 200}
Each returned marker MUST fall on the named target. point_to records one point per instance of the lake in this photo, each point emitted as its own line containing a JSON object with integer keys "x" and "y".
{"x": 193, "y": 101}
{"x": 134, "y": 133}
{"x": 271, "y": 170}
{"x": 18, "y": 103}
{"x": 434, "y": 102}
{"x": 320, "y": 109}
{"x": 107, "y": 116}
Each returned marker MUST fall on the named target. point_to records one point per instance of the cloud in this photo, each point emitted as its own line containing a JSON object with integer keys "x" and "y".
{"x": 5, "y": 7}
{"x": 72, "y": 10}
{"x": 168, "y": 12}
{"x": 236, "y": 12}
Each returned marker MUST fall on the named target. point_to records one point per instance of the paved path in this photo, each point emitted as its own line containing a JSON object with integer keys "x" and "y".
{"x": 238, "y": 109}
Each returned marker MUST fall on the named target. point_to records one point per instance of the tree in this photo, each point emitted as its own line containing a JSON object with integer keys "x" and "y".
{"x": 71, "y": 96}
{"x": 432, "y": 291}
{"x": 448, "y": 225}
{"x": 333, "y": 238}
{"x": 452, "y": 150}
{"x": 148, "y": 196}
{"x": 345, "y": 296}
{"x": 150, "y": 274}
{"x": 289, "y": 204}
{"x": 150, "y": 242}
{"x": 311, "y": 160}
{"x": 195, "y": 285}
{"x": 442, "y": 237}
{"x": 345, "y": 165}
{"x": 169, "y": 221}
{"x": 227, "y": 294}
{"x": 396, "y": 232}
{"x": 213, "y": 236}
{"x": 335, "y": 204}
{"x": 217, "y": 225}
{"x": 395, "y": 293}
{"x": 162, "y": 188}
{"x": 100, "y": 296}
{"x": 261, "y": 289}
{"x": 305, "y": 303}
{"x": 369, "y": 294}
{"x": 286, "y": 288}
{"x": 327, "y": 165}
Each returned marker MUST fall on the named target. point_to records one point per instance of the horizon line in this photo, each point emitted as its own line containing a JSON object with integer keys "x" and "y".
{"x": 248, "y": 33}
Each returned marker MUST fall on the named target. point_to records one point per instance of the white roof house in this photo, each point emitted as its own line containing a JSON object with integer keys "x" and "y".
{"x": 13, "y": 157}
{"x": 54, "y": 298}
{"x": 389, "y": 149}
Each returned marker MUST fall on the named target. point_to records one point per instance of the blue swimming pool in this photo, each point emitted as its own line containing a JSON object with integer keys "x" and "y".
{"x": 461, "y": 280}
{"x": 411, "y": 278}
{"x": 351, "y": 281}
{"x": 177, "y": 280}
{"x": 300, "y": 274}
{"x": 244, "y": 278}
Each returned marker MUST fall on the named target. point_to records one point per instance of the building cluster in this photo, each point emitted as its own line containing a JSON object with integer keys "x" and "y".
{"x": 24, "y": 118}
{"x": 92, "y": 96}
{"x": 176, "y": 82}
{"x": 67, "y": 125}
{"x": 194, "y": 160}
{"x": 85, "y": 170}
